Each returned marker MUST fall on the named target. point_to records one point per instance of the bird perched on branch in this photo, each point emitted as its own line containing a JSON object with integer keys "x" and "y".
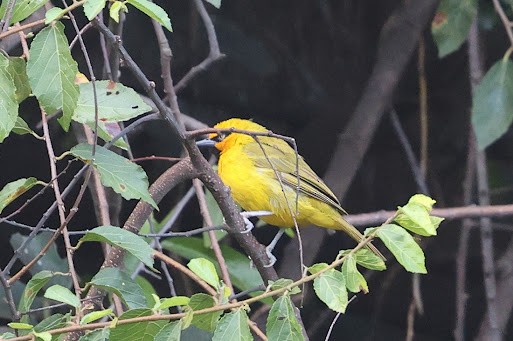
{"x": 265, "y": 173}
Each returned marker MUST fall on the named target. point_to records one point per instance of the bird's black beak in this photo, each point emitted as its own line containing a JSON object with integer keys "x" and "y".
{"x": 205, "y": 143}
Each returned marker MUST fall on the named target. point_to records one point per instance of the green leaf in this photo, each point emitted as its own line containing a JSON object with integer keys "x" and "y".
{"x": 116, "y": 103}
{"x": 121, "y": 238}
{"x": 93, "y": 7}
{"x": 282, "y": 323}
{"x": 215, "y": 3}
{"x": 115, "y": 8}
{"x": 96, "y": 315}
{"x": 208, "y": 321}
{"x": 14, "y": 189}
{"x": 21, "y": 127}
{"x": 451, "y": 24}
{"x": 53, "y": 14}
{"x": 153, "y": 11}
{"x": 233, "y": 326}
{"x": 51, "y": 72}
{"x": 118, "y": 282}
{"x": 97, "y": 335}
{"x": 18, "y": 71}
{"x": 52, "y": 322}
{"x": 173, "y": 302}
{"x": 369, "y": 260}
{"x": 205, "y": 269}
{"x": 170, "y": 332}
{"x": 36, "y": 283}
{"x": 415, "y": 218}
{"x": 492, "y": 104}
{"x": 122, "y": 175}
{"x": 404, "y": 248}
{"x": 330, "y": 287}
{"x": 146, "y": 286}
{"x": 242, "y": 274}
{"x": 355, "y": 282}
{"x": 141, "y": 331}
{"x": 61, "y": 294}
{"x": 22, "y": 9}
{"x": 8, "y": 101}
{"x": 18, "y": 325}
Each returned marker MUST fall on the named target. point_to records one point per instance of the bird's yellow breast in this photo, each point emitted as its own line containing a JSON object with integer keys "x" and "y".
{"x": 256, "y": 189}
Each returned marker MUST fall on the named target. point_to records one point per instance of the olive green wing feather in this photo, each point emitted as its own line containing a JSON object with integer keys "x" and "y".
{"x": 283, "y": 159}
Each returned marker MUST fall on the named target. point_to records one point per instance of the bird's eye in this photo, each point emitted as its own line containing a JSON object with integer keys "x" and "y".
{"x": 219, "y": 137}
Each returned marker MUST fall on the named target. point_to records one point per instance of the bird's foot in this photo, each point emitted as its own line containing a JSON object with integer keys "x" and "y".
{"x": 249, "y": 214}
{"x": 269, "y": 248}
{"x": 272, "y": 258}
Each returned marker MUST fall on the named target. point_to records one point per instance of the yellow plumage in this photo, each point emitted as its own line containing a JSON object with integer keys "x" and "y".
{"x": 245, "y": 166}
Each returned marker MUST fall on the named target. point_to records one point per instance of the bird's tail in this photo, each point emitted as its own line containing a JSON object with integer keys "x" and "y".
{"x": 358, "y": 236}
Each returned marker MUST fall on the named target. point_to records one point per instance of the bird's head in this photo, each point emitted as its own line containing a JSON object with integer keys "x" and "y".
{"x": 224, "y": 141}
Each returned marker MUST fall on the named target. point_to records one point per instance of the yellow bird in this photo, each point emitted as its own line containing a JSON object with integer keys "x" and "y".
{"x": 262, "y": 176}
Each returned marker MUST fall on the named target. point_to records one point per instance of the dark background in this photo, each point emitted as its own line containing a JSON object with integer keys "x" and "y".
{"x": 299, "y": 68}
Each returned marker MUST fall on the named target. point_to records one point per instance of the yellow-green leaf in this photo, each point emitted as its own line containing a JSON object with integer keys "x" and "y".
{"x": 14, "y": 189}
{"x": 355, "y": 282}
{"x": 402, "y": 245}
{"x": 330, "y": 287}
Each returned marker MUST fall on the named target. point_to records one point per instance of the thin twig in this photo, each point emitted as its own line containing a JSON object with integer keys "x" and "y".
{"x": 165, "y": 270}
{"x": 21, "y": 28}
{"x": 6, "y": 20}
{"x": 213, "y": 238}
{"x": 214, "y": 52}
{"x": 410, "y": 155}
{"x": 81, "y": 32}
{"x": 423, "y": 107}
{"x": 43, "y": 220}
{"x": 468, "y": 190}
{"x": 61, "y": 208}
{"x": 35, "y": 196}
{"x": 177, "y": 210}
{"x": 508, "y": 27}
{"x": 471, "y": 211}
{"x": 177, "y": 265}
{"x": 9, "y": 298}
{"x": 72, "y": 212}
{"x": 476, "y": 65}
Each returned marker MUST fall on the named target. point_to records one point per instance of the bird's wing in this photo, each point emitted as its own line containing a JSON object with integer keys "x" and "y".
{"x": 283, "y": 160}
